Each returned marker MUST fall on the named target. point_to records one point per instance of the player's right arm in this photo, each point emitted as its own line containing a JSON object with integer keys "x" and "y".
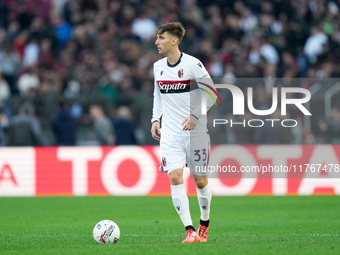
{"x": 155, "y": 130}
{"x": 157, "y": 111}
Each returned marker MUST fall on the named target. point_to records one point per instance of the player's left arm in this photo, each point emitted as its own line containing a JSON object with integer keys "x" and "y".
{"x": 204, "y": 83}
{"x": 205, "y": 86}
{"x": 189, "y": 122}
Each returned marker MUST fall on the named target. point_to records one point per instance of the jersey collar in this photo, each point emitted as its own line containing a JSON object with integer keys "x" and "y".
{"x": 178, "y": 61}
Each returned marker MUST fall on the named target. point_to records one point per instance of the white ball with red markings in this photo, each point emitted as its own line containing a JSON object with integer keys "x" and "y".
{"x": 106, "y": 231}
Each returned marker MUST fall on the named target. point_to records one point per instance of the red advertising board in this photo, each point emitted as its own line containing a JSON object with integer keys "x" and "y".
{"x": 133, "y": 171}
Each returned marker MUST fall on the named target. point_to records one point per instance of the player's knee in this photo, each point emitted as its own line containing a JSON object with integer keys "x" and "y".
{"x": 200, "y": 183}
{"x": 176, "y": 178}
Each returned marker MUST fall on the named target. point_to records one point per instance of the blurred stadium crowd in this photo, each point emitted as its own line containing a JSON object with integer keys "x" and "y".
{"x": 80, "y": 71}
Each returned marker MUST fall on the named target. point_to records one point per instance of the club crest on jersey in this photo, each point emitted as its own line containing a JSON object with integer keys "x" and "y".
{"x": 164, "y": 161}
{"x": 180, "y": 73}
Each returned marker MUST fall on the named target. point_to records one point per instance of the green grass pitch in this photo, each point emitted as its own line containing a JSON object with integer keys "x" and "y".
{"x": 150, "y": 225}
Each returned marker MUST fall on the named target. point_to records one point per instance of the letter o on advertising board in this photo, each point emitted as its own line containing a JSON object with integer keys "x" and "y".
{"x": 241, "y": 155}
{"x": 109, "y": 171}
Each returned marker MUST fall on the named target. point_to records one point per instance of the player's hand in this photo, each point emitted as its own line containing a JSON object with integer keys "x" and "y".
{"x": 3, "y": 120}
{"x": 155, "y": 132}
{"x": 189, "y": 123}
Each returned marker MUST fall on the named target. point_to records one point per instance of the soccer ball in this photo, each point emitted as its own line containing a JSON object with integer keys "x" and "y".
{"x": 106, "y": 231}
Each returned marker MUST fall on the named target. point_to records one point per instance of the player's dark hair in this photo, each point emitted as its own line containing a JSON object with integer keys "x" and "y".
{"x": 173, "y": 28}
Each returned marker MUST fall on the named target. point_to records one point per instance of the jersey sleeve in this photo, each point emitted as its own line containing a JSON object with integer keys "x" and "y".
{"x": 157, "y": 109}
{"x": 204, "y": 83}
{"x": 198, "y": 70}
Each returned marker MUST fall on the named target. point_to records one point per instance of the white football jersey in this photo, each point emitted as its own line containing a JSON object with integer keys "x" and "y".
{"x": 172, "y": 94}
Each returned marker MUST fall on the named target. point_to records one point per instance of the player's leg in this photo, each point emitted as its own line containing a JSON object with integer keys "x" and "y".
{"x": 199, "y": 160}
{"x": 179, "y": 196}
{"x": 181, "y": 203}
{"x": 173, "y": 160}
{"x": 204, "y": 196}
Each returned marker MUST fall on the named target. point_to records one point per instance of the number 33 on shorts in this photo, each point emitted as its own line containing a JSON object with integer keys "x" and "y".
{"x": 199, "y": 153}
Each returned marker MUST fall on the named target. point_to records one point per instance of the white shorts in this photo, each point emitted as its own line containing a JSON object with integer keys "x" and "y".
{"x": 179, "y": 151}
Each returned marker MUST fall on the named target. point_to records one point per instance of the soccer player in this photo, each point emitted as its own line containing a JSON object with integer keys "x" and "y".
{"x": 184, "y": 131}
